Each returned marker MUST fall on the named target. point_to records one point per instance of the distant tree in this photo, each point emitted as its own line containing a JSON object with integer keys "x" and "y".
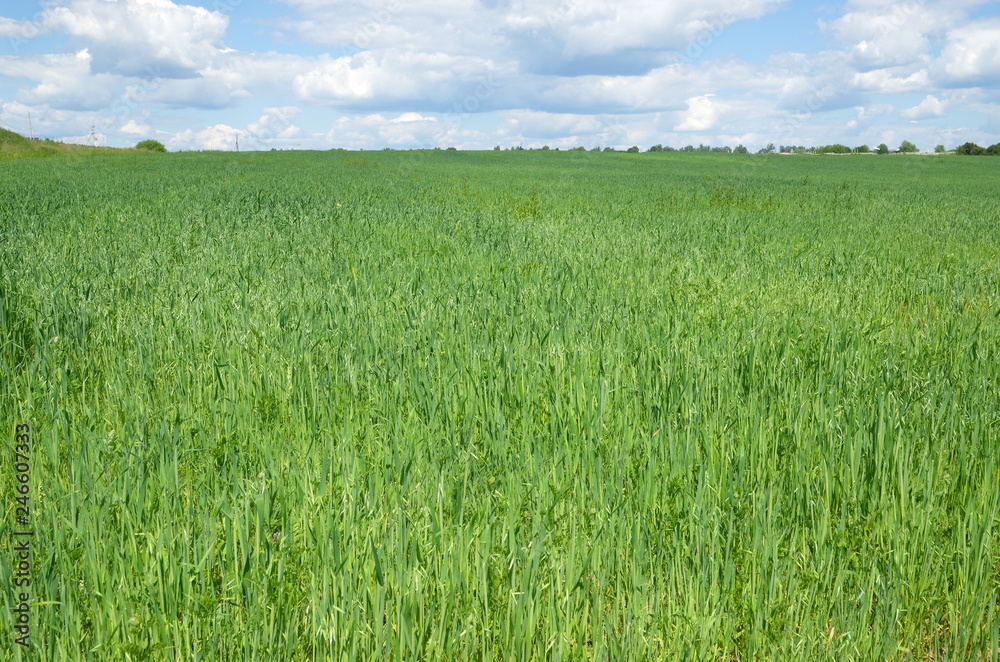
{"x": 740, "y": 149}
{"x": 970, "y": 149}
{"x": 497, "y": 148}
{"x": 451, "y": 149}
{"x": 770, "y": 149}
{"x": 882, "y": 149}
{"x": 596, "y": 149}
{"x": 151, "y": 146}
{"x": 939, "y": 149}
{"x": 545, "y": 148}
{"x": 634, "y": 149}
{"x": 609, "y": 149}
{"x": 993, "y": 150}
{"x": 908, "y": 148}
{"x": 723, "y": 150}
{"x": 687, "y": 148}
{"x": 834, "y": 149}
{"x": 655, "y": 148}
{"x": 863, "y": 149}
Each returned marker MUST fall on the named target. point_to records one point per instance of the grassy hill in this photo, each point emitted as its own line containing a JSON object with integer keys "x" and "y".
{"x": 15, "y": 146}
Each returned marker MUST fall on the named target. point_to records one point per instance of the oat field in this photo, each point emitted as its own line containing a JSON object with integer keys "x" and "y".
{"x": 503, "y": 406}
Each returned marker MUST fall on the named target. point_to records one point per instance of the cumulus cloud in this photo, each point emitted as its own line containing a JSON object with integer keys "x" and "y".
{"x": 971, "y": 56}
{"x": 19, "y": 30}
{"x": 407, "y": 130}
{"x": 887, "y": 81}
{"x": 885, "y": 35}
{"x": 539, "y": 124}
{"x": 389, "y": 77}
{"x": 64, "y": 81}
{"x": 586, "y": 28}
{"x": 147, "y": 38}
{"x": 218, "y": 137}
{"x": 701, "y": 115}
{"x": 865, "y": 114}
{"x": 541, "y": 36}
{"x": 275, "y": 126}
{"x": 931, "y": 106}
{"x": 133, "y": 128}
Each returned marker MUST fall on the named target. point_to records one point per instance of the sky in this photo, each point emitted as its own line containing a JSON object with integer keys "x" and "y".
{"x": 472, "y": 74}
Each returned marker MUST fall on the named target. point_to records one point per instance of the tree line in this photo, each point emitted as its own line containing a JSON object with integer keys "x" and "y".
{"x": 906, "y": 147}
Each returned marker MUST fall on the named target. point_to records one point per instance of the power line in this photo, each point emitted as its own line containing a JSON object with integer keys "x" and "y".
{"x": 9, "y": 127}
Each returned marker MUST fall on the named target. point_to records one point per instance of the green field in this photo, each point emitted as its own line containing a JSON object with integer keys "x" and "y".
{"x": 503, "y": 406}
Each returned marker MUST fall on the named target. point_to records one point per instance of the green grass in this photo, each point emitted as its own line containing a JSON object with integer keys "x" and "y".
{"x": 505, "y": 406}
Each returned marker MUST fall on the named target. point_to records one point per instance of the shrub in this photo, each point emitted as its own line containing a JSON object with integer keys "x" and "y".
{"x": 834, "y": 149}
{"x": 151, "y": 146}
{"x": 970, "y": 149}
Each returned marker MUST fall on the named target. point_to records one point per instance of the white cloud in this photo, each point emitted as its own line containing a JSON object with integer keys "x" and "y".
{"x": 701, "y": 115}
{"x": 971, "y": 56}
{"x": 218, "y": 137}
{"x": 132, "y": 128}
{"x": 542, "y": 36}
{"x": 391, "y": 76}
{"x": 931, "y": 106}
{"x": 865, "y": 114}
{"x": 64, "y": 81}
{"x": 553, "y": 125}
{"x": 886, "y": 81}
{"x": 146, "y": 38}
{"x": 19, "y": 30}
{"x": 596, "y": 27}
{"x": 408, "y": 130}
{"x": 274, "y": 126}
{"x": 884, "y": 36}
{"x": 531, "y": 128}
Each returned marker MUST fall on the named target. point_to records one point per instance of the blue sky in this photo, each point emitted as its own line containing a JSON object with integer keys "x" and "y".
{"x": 368, "y": 74}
